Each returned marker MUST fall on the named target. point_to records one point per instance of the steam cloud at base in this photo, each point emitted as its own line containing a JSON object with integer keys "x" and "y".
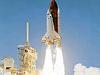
{"x": 79, "y": 69}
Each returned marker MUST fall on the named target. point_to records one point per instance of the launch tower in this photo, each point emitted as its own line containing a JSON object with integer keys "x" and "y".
{"x": 28, "y": 56}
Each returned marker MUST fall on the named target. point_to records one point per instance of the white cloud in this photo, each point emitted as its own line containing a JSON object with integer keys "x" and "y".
{"x": 79, "y": 69}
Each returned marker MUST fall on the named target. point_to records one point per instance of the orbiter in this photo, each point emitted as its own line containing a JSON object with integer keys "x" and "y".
{"x": 52, "y": 35}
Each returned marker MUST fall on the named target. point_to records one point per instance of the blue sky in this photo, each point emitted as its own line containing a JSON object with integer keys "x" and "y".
{"x": 80, "y": 27}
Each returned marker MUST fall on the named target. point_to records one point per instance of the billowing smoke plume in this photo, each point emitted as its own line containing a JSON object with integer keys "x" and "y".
{"x": 48, "y": 66}
{"x": 56, "y": 66}
{"x": 59, "y": 68}
{"x": 2, "y": 72}
{"x": 79, "y": 69}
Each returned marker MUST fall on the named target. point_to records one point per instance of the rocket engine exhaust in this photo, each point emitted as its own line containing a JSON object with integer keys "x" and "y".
{"x": 51, "y": 68}
{"x": 59, "y": 68}
{"x": 48, "y": 66}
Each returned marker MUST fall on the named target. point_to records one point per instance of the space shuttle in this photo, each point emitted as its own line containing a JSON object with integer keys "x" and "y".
{"x": 52, "y": 35}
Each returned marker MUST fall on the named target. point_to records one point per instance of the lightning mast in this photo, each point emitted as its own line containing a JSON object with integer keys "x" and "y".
{"x": 27, "y": 34}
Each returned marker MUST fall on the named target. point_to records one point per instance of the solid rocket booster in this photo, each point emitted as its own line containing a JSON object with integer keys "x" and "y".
{"x": 52, "y": 36}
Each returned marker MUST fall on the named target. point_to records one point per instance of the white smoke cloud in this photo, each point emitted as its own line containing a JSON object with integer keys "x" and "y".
{"x": 2, "y": 72}
{"x": 79, "y": 69}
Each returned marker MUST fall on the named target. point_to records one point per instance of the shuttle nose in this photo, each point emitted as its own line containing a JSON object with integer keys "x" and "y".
{"x": 53, "y": 8}
{"x": 53, "y": 5}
